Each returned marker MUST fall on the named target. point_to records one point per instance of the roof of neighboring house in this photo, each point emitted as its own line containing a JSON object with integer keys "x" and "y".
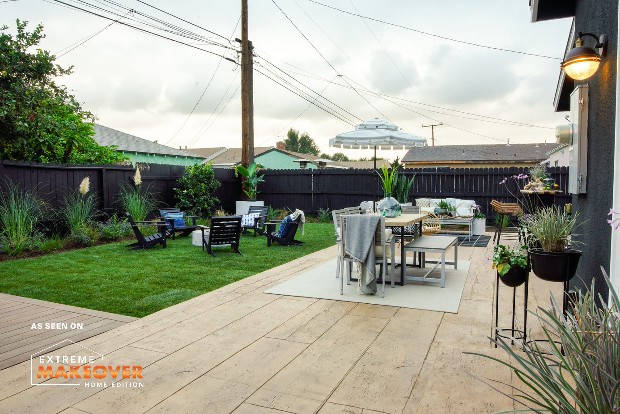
{"x": 362, "y": 165}
{"x": 558, "y": 148}
{"x": 495, "y": 153}
{"x": 207, "y": 152}
{"x": 126, "y": 142}
{"x": 226, "y": 156}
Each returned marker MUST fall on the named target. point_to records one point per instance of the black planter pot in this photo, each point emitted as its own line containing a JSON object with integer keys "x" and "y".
{"x": 516, "y": 276}
{"x": 554, "y": 267}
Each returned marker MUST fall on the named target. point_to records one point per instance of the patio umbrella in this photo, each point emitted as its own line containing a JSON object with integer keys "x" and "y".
{"x": 377, "y": 133}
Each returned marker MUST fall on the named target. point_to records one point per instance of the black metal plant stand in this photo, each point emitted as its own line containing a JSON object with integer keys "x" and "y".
{"x": 514, "y": 333}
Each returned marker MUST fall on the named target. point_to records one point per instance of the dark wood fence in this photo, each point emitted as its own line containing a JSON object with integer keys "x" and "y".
{"x": 52, "y": 182}
{"x": 308, "y": 190}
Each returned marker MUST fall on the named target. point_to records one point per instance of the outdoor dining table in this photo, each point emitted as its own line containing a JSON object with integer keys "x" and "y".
{"x": 402, "y": 221}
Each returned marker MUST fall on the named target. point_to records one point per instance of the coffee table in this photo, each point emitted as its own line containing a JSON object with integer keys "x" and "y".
{"x": 458, "y": 221}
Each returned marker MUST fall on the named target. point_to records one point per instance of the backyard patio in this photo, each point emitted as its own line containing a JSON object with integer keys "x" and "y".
{"x": 239, "y": 349}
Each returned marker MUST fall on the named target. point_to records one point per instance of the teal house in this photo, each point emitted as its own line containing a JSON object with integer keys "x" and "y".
{"x": 140, "y": 150}
{"x": 270, "y": 157}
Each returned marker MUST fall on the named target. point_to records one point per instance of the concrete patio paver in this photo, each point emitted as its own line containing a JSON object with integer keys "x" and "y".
{"x": 240, "y": 350}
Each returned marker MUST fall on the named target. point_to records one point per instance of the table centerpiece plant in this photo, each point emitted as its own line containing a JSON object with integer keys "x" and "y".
{"x": 388, "y": 206}
{"x": 548, "y": 233}
{"x": 512, "y": 264}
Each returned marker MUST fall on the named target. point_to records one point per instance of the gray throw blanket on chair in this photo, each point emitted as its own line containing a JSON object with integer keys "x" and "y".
{"x": 359, "y": 241}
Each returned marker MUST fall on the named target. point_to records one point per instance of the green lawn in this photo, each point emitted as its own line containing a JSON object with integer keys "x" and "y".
{"x": 114, "y": 279}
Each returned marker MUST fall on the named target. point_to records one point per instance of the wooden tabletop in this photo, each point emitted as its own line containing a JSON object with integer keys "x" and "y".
{"x": 404, "y": 220}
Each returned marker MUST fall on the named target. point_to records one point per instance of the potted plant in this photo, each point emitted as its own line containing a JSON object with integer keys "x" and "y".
{"x": 511, "y": 264}
{"x": 479, "y": 223}
{"x": 388, "y": 206}
{"x": 548, "y": 233}
{"x": 442, "y": 207}
{"x": 251, "y": 180}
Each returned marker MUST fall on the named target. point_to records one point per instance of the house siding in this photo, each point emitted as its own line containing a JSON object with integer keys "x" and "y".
{"x": 598, "y": 16}
{"x": 161, "y": 159}
{"x": 277, "y": 160}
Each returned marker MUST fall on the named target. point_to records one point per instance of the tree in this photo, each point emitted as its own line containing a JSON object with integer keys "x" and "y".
{"x": 339, "y": 156}
{"x": 300, "y": 143}
{"x": 195, "y": 193}
{"x": 40, "y": 120}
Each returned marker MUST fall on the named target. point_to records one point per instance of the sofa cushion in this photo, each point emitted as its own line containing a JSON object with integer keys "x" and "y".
{"x": 179, "y": 220}
{"x": 465, "y": 207}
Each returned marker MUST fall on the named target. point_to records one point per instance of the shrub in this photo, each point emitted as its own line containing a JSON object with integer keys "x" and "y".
{"x": 324, "y": 215}
{"x": 52, "y": 244}
{"x": 274, "y": 214}
{"x": 20, "y": 211}
{"x": 114, "y": 229}
{"x": 196, "y": 189}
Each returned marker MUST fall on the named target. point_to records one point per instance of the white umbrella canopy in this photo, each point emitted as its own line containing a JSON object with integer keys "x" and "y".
{"x": 377, "y": 133}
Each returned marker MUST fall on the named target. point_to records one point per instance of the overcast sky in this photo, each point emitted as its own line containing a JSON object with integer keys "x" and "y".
{"x": 147, "y": 86}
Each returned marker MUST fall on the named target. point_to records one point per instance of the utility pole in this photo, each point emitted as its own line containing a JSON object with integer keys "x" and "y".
{"x": 432, "y": 126}
{"x": 247, "y": 99}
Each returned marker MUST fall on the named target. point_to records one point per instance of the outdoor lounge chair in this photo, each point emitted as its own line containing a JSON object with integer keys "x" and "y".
{"x": 287, "y": 239}
{"x": 176, "y": 221}
{"x": 255, "y": 219}
{"x": 224, "y": 231}
{"x": 146, "y": 242}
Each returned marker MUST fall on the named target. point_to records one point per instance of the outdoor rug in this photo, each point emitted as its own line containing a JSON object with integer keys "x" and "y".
{"x": 321, "y": 282}
{"x": 473, "y": 241}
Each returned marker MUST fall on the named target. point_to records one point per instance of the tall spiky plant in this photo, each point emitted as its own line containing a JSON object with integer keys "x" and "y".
{"x": 137, "y": 201}
{"x": 387, "y": 176}
{"x": 20, "y": 211}
{"x": 580, "y": 376}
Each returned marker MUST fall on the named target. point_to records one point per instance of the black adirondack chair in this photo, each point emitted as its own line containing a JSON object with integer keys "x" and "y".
{"x": 287, "y": 239}
{"x": 223, "y": 231}
{"x": 175, "y": 224}
{"x": 146, "y": 242}
{"x": 259, "y": 222}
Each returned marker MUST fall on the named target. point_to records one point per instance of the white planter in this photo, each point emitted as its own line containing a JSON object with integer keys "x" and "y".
{"x": 242, "y": 207}
{"x": 478, "y": 226}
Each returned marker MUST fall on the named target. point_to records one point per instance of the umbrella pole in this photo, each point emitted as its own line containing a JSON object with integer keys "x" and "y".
{"x": 374, "y": 165}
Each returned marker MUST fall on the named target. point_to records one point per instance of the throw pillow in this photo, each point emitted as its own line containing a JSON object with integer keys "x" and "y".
{"x": 179, "y": 220}
{"x": 247, "y": 220}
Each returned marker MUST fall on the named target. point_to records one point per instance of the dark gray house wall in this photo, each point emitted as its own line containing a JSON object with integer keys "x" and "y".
{"x": 598, "y": 16}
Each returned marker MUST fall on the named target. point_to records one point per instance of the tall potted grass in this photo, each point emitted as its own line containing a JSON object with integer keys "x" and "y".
{"x": 20, "y": 212}
{"x": 549, "y": 232}
{"x": 388, "y": 206}
{"x": 251, "y": 180}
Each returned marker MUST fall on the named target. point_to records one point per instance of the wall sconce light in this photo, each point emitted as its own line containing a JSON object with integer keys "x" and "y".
{"x": 581, "y": 62}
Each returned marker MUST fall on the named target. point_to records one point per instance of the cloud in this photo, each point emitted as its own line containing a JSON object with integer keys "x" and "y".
{"x": 391, "y": 72}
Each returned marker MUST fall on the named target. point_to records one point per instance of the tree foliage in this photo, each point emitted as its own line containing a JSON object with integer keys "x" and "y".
{"x": 40, "y": 120}
{"x": 195, "y": 193}
{"x": 300, "y": 143}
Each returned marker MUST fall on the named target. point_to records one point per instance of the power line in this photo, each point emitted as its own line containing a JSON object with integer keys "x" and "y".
{"x": 145, "y": 30}
{"x": 433, "y": 34}
{"x": 300, "y": 114}
{"x": 325, "y": 59}
{"x": 183, "y": 20}
{"x": 81, "y": 42}
{"x": 203, "y": 92}
{"x": 314, "y": 92}
{"x": 200, "y": 130}
{"x": 382, "y": 47}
